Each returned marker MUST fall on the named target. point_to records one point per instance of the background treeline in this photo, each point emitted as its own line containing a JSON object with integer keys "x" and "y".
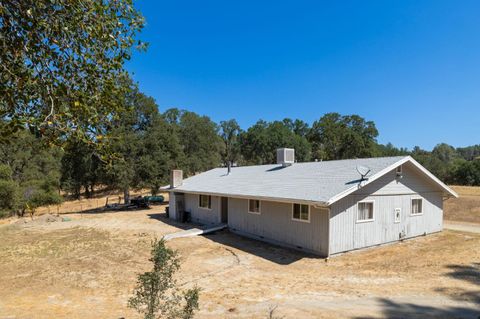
{"x": 71, "y": 119}
{"x": 138, "y": 150}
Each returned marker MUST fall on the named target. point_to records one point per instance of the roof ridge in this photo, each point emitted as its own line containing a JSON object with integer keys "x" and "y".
{"x": 322, "y": 161}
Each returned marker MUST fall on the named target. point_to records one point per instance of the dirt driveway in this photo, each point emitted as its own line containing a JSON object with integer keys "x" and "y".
{"x": 86, "y": 268}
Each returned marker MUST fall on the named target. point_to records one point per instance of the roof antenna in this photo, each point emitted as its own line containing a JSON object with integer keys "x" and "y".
{"x": 363, "y": 171}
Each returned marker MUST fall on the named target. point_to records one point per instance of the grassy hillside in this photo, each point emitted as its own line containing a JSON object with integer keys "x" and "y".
{"x": 466, "y": 208}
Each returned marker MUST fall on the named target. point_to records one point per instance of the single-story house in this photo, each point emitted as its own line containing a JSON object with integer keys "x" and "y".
{"x": 322, "y": 207}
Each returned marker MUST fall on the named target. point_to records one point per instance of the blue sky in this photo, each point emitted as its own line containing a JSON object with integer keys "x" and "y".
{"x": 413, "y": 67}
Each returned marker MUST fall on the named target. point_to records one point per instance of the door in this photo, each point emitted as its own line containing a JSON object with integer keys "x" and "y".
{"x": 224, "y": 204}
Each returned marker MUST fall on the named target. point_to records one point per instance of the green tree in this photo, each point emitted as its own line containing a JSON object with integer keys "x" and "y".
{"x": 60, "y": 60}
{"x": 81, "y": 167}
{"x": 469, "y": 153}
{"x": 123, "y": 138}
{"x": 444, "y": 152}
{"x": 156, "y": 294}
{"x": 466, "y": 173}
{"x": 35, "y": 170}
{"x": 260, "y": 142}
{"x": 199, "y": 139}
{"x": 440, "y": 161}
{"x": 39, "y": 193}
{"x": 160, "y": 153}
{"x": 336, "y": 136}
{"x": 230, "y": 132}
{"x": 297, "y": 126}
{"x": 8, "y": 191}
{"x": 124, "y": 145}
{"x": 390, "y": 150}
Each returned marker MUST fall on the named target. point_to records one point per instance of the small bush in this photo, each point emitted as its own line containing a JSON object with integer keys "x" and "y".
{"x": 156, "y": 294}
{"x": 4, "y": 214}
{"x": 5, "y": 172}
{"x": 8, "y": 195}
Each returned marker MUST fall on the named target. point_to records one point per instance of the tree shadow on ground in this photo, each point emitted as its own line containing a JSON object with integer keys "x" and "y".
{"x": 112, "y": 209}
{"x": 469, "y": 273}
{"x": 270, "y": 252}
{"x": 102, "y": 210}
{"x": 398, "y": 310}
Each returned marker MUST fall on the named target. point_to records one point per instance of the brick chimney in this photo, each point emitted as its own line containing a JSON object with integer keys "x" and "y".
{"x": 176, "y": 178}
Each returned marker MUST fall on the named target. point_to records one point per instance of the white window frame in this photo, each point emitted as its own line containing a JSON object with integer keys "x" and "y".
{"x": 299, "y": 219}
{"x": 373, "y": 212}
{"x": 259, "y": 207}
{"x": 210, "y": 201}
{"x": 411, "y": 206}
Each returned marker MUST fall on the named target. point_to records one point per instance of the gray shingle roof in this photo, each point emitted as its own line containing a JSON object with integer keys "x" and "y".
{"x": 312, "y": 182}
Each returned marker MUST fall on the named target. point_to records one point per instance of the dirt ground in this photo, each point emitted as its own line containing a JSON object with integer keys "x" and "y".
{"x": 85, "y": 265}
{"x": 466, "y": 208}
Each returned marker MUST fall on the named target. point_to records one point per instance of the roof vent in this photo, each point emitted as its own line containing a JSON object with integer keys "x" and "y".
{"x": 285, "y": 156}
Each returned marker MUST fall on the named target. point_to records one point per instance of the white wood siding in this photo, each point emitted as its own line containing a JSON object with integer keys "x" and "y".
{"x": 172, "y": 210}
{"x": 274, "y": 223}
{"x": 412, "y": 181}
{"x": 203, "y": 215}
{"x": 388, "y": 193}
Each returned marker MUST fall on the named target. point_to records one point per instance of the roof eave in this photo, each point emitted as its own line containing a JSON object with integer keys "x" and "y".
{"x": 447, "y": 189}
{"x": 243, "y": 196}
{"x": 408, "y": 158}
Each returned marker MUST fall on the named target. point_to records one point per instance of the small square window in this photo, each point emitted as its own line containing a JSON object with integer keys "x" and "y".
{"x": 399, "y": 170}
{"x": 417, "y": 206}
{"x": 301, "y": 212}
{"x": 205, "y": 201}
{"x": 254, "y": 206}
{"x": 365, "y": 211}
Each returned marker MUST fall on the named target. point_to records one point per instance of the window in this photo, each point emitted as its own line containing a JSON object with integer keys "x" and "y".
{"x": 254, "y": 206}
{"x": 417, "y": 206}
{"x": 399, "y": 170}
{"x": 365, "y": 212}
{"x": 205, "y": 201}
{"x": 301, "y": 212}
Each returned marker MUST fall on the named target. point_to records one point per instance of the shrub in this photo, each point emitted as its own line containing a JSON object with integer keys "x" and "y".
{"x": 156, "y": 294}
{"x": 5, "y": 172}
{"x": 8, "y": 196}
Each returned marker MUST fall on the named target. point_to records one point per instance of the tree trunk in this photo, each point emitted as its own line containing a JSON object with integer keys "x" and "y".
{"x": 87, "y": 191}
{"x": 126, "y": 196}
{"x": 154, "y": 190}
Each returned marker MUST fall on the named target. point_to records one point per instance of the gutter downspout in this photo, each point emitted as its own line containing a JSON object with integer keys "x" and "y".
{"x": 328, "y": 236}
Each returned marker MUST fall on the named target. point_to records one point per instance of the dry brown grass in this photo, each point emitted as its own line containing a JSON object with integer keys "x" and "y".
{"x": 466, "y": 208}
{"x": 67, "y": 273}
{"x": 85, "y": 204}
{"x": 86, "y": 268}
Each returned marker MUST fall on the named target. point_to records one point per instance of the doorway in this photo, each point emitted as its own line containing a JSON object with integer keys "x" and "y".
{"x": 224, "y": 210}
